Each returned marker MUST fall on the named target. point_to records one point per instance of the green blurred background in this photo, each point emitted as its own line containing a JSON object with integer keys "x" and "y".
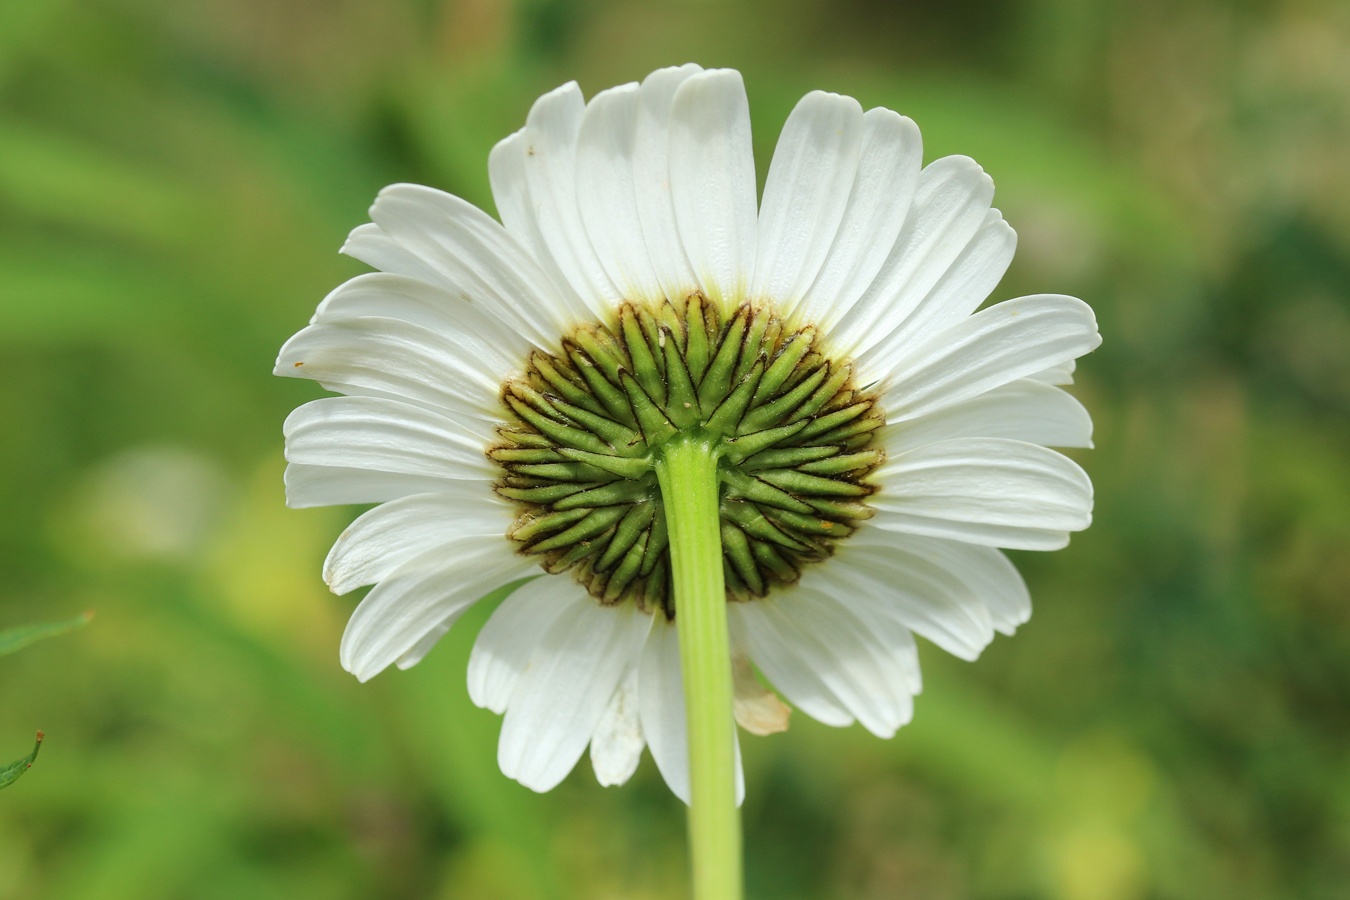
{"x": 175, "y": 180}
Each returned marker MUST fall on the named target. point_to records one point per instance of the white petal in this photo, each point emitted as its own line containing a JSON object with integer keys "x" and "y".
{"x": 372, "y": 246}
{"x": 712, "y": 180}
{"x": 651, "y": 181}
{"x": 383, "y": 538}
{"x": 962, "y": 288}
{"x": 1003, "y": 343}
{"x": 870, "y": 679}
{"x": 421, "y": 595}
{"x": 888, "y": 172}
{"x": 782, "y": 662}
{"x": 550, "y": 170}
{"x": 394, "y": 359}
{"x": 564, "y": 691}
{"x": 423, "y": 647}
{"x": 507, "y": 642}
{"x": 606, "y": 193}
{"x": 1023, "y": 410}
{"x": 511, "y": 193}
{"x": 416, "y": 302}
{"x": 1061, "y": 373}
{"x": 950, "y": 203}
{"x": 936, "y": 587}
{"x": 984, "y": 491}
{"x": 892, "y": 575}
{"x": 434, "y": 308}
{"x": 810, "y": 177}
{"x": 661, "y": 703}
{"x": 617, "y": 745}
{"x": 386, "y": 436}
{"x": 983, "y": 573}
{"x": 392, "y": 296}
{"x": 308, "y": 486}
{"x": 474, "y": 258}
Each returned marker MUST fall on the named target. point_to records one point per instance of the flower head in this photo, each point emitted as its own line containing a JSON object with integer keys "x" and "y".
{"x": 509, "y": 387}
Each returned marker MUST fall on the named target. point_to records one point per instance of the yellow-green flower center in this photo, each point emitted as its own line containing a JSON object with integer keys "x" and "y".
{"x": 586, "y": 426}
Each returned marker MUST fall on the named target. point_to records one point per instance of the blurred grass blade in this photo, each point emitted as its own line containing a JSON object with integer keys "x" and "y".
{"x": 10, "y": 773}
{"x": 17, "y": 638}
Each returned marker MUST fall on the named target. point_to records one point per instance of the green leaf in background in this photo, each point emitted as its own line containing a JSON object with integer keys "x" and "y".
{"x": 17, "y": 638}
{"x": 10, "y": 773}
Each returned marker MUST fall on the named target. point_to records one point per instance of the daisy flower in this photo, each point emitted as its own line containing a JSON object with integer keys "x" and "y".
{"x": 513, "y": 389}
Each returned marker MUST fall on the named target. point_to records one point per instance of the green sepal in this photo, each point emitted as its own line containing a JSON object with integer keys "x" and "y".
{"x": 630, "y": 467}
{"x": 526, "y": 530}
{"x": 753, "y": 523}
{"x": 682, "y": 399}
{"x": 568, "y": 471}
{"x": 772, "y": 412}
{"x": 566, "y": 388}
{"x": 631, "y": 527}
{"x": 844, "y": 463}
{"x": 812, "y": 524}
{"x": 773, "y": 333}
{"x": 785, "y": 362}
{"x": 615, "y": 492}
{"x": 670, "y": 327}
{"x": 788, "y": 457}
{"x": 751, "y": 347}
{"x": 656, "y": 428}
{"x": 742, "y": 448}
{"x": 606, "y": 391}
{"x": 860, "y": 437}
{"x": 544, "y": 494}
{"x": 736, "y": 590}
{"x": 830, "y": 421}
{"x": 646, "y": 369}
{"x": 525, "y": 455}
{"x": 623, "y": 575}
{"x": 520, "y": 438}
{"x": 657, "y": 542}
{"x": 594, "y": 523}
{"x": 717, "y": 381}
{"x": 839, "y": 376}
{"x": 654, "y": 594}
{"x": 811, "y": 363}
{"x": 751, "y": 488}
{"x": 557, "y": 563}
{"x": 652, "y": 330}
{"x": 600, "y": 351}
{"x": 616, "y": 435}
{"x": 858, "y": 427}
{"x": 841, "y": 509}
{"x": 725, "y": 418}
{"x": 737, "y": 550}
{"x": 697, "y": 349}
{"x": 559, "y": 432}
{"x": 772, "y": 560}
{"x": 811, "y": 486}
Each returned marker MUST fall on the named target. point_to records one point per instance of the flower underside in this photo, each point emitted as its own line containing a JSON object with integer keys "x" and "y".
{"x": 793, "y": 437}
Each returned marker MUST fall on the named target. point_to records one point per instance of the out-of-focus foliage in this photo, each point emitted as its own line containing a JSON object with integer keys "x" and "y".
{"x": 12, "y": 639}
{"x": 11, "y": 772}
{"x": 175, "y": 179}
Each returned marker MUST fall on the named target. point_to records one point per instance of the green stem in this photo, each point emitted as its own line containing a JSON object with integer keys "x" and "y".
{"x": 688, "y": 476}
